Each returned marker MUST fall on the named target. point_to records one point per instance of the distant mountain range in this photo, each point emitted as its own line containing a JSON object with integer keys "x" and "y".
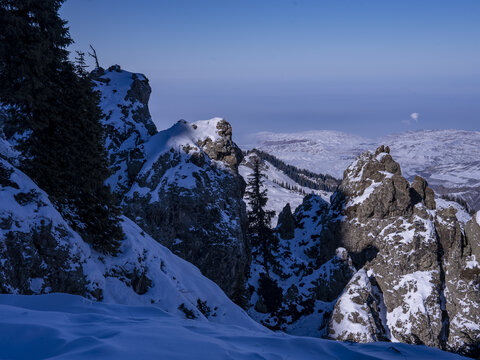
{"x": 447, "y": 159}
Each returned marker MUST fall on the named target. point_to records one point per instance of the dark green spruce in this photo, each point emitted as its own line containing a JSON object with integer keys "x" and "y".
{"x": 53, "y": 113}
{"x": 261, "y": 235}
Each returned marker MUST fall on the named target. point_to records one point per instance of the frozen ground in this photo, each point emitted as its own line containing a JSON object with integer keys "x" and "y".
{"x": 60, "y": 326}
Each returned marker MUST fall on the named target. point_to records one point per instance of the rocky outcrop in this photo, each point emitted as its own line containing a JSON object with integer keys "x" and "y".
{"x": 180, "y": 185}
{"x": 286, "y": 223}
{"x": 40, "y": 253}
{"x": 420, "y": 192}
{"x": 418, "y": 276}
{"x": 359, "y": 314}
{"x": 188, "y": 196}
{"x": 415, "y": 256}
{"x": 128, "y": 125}
{"x": 222, "y": 148}
{"x": 462, "y": 283}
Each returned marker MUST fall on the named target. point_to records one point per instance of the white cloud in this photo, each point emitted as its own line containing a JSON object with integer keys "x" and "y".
{"x": 413, "y": 118}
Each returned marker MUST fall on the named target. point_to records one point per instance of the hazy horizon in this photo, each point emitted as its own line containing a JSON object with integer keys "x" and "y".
{"x": 366, "y": 67}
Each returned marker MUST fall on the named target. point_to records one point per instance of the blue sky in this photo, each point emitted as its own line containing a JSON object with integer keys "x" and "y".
{"x": 360, "y": 66}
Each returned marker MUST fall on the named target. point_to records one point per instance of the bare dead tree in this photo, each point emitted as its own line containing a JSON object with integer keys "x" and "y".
{"x": 93, "y": 54}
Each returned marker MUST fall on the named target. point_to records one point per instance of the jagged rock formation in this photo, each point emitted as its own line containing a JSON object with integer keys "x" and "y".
{"x": 188, "y": 195}
{"x": 462, "y": 281}
{"x": 286, "y": 223}
{"x": 359, "y": 313}
{"x": 127, "y": 122}
{"x": 418, "y": 276}
{"x": 311, "y": 272}
{"x": 411, "y": 253}
{"x": 180, "y": 185}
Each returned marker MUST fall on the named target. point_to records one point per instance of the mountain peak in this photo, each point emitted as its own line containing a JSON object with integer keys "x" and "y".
{"x": 213, "y": 137}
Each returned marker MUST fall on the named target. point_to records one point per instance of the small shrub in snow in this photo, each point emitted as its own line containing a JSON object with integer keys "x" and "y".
{"x": 189, "y": 314}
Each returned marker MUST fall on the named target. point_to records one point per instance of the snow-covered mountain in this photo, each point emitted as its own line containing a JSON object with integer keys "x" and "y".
{"x": 54, "y": 258}
{"x": 447, "y": 159}
{"x": 384, "y": 260}
{"x": 181, "y": 192}
{"x": 180, "y": 185}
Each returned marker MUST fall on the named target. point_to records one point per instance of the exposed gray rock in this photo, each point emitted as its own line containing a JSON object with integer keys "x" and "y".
{"x": 38, "y": 250}
{"x": 223, "y": 149}
{"x": 359, "y": 314}
{"x": 418, "y": 281}
{"x": 462, "y": 283}
{"x": 333, "y": 276}
{"x": 128, "y": 124}
{"x": 419, "y": 262}
{"x": 421, "y": 192}
{"x": 189, "y": 198}
{"x": 286, "y": 223}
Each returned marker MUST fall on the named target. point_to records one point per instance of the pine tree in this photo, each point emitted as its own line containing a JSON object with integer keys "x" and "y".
{"x": 261, "y": 235}
{"x": 33, "y": 41}
{"x": 53, "y": 102}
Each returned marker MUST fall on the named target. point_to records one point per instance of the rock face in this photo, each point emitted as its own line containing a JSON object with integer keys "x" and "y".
{"x": 286, "y": 223}
{"x": 128, "y": 124}
{"x": 359, "y": 314}
{"x": 462, "y": 283}
{"x": 180, "y": 185}
{"x": 413, "y": 261}
{"x": 416, "y": 255}
{"x": 188, "y": 196}
{"x": 40, "y": 253}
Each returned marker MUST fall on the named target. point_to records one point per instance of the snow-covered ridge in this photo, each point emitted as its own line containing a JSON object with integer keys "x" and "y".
{"x": 121, "y": 99}
{"x": 181, "y": 136}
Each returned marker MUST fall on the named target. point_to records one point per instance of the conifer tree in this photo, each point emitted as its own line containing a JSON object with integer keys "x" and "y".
{"x": 33, "y": 41}
{"x": 52, "y": 104}
{"x": 261, "y": 235}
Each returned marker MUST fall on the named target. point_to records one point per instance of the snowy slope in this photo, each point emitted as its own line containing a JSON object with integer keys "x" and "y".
{"x": 70, "y": 327}
{"x": 55, "y": 258}
{"x": 447, "y": 159}
{"x": 279, "y": 196}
